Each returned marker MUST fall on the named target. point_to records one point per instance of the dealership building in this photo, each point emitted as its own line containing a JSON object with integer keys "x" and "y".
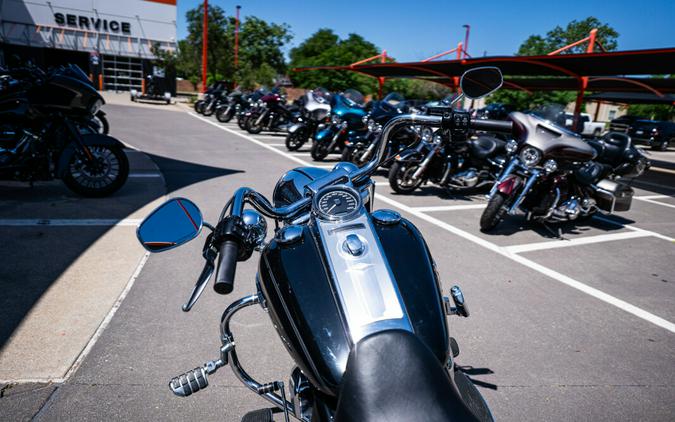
{"x": 112, "y": 40}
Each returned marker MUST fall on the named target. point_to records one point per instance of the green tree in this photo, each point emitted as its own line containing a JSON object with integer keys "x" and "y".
{"x": 260, "y": 48}
{"x": 324, "y": 48}
{"x": 554, "y": 39}
{"x": 653, "y": 111}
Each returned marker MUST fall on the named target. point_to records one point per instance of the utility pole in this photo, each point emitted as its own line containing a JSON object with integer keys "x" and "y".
{"x": 236, "y": 43}
{"x": 205, "y": 42}
{"x": 466, "y": 40}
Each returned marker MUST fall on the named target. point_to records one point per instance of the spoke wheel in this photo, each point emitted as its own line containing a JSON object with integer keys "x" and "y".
{"x": 102, "y": 175}
{"x": 400, "y": 178}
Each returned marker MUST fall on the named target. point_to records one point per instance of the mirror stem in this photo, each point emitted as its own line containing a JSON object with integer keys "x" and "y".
{"x": 208, "y": 226}
{"x": 457, "y": 99}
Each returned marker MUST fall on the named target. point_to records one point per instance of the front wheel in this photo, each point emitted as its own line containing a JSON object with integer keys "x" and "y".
{"x": 100, "y": 120}
{"x": 295, "y": 140}
{"x": 662, "y": 146}
{"x": 252, "y": 126}
{"x": 319, "y": 151}
{"x": 223, "y": 115}
{"x": 207, "y": 109}
{"x": 494, "y": 212}
{"x": 102, "y": 175}
{"x": 401, "y": 177}
{"x": 198, "y": 106}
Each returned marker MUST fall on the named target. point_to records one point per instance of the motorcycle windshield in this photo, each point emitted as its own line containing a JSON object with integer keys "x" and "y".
{"x": 354, "y": 98}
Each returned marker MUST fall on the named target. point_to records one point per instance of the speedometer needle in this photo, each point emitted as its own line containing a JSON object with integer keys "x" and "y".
{"x": 331, "y": 208}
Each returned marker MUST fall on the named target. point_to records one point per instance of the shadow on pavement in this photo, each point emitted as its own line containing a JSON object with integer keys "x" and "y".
{"x": 35, "y": 256}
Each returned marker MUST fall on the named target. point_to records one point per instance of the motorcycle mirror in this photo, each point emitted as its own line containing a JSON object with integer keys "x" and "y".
{"x": 481, "y": 81}
{"x": 170, "y": 225}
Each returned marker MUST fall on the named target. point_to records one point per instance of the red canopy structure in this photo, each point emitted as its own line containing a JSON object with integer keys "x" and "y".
{"x": 597, "y": 71}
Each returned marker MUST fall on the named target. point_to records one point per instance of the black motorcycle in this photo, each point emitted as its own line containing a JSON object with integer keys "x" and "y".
{"x": 555, "y": 176}
{"x": 353, "y": 293}
{"x": 212, "y": 93}
{"x": 272, "y": 114}
{"x": 360, "y": 147}
{"x": 450, "y": 160}
{"x": 314, "y": 113}
{"x": 235, "y": 102}
{"x": 46, "y": 132}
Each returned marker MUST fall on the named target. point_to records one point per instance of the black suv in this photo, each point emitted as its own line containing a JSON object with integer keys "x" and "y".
{"x": 657, "y": 134}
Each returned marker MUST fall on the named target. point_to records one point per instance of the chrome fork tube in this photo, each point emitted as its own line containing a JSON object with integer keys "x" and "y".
{"x": 528, "y": 185}
{"x": 425, "y": 163}
{"x": 507, "y": 172}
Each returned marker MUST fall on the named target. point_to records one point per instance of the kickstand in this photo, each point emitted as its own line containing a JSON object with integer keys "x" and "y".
{"x": 556, "y": 233}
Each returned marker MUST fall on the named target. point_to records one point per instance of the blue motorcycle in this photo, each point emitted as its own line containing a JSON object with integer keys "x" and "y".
{"x": 347, "y": 121}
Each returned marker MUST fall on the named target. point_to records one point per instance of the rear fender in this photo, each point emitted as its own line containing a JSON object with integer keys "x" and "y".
{"x": 509, "y": 185}
{"x": 90, "y": 140}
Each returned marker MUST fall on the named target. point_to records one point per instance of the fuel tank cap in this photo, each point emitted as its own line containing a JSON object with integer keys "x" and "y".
{"x": 386, "y": 217}
{"x": 353, "y": 245}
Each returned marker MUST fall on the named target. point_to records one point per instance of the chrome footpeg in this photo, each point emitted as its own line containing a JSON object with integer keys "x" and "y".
{"x": 195, "y": 380}
{"x": 460, "y": 308}
{"x": 189, "y": 382}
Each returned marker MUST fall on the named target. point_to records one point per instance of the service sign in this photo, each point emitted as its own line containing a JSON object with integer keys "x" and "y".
{"x": 91, "y": 23}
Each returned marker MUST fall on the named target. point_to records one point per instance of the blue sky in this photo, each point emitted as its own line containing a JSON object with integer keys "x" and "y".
{"x": 415, "y": 29}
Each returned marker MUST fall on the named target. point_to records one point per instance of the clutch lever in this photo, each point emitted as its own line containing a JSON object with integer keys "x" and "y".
{"x": 210, "y": 255}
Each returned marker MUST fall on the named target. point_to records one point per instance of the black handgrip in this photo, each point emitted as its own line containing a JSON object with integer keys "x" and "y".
{"x": 505, "y": 126}
{"x": 227, "y": 266}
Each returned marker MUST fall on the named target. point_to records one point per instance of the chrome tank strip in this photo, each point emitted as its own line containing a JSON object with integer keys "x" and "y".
{"x": 367, "y": 291}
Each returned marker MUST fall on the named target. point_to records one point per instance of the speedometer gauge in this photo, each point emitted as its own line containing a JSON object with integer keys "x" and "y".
{"x": 337, "y": 203}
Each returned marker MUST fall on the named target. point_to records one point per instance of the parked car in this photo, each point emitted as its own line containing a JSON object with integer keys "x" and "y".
{"x": 623, "y": 124}
{"x": 590, "y": 127}
{"x": 657, "y": 134}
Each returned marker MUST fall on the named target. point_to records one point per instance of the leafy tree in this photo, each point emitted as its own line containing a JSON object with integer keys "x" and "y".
{"x": 260, "y": 48}
{"x": 324, "y": 48}
{"x": 653, "y": 111}
{"x": 554, "y": 39}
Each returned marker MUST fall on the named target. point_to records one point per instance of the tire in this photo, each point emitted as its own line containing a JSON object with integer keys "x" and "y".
{"x": 198, "y": 106}
{"x": 662, "y": 146}
{"x": 241, "y": 122}
{"x": 207, "y": 110}
{"x": 399, "y": 173}
{"x": 103, "y": 122}
{"x": 224, "y": 117}
{"x": 494, "y": 212}
{"x": 319, "y": 151}
{"x": 295, "y": 140}
{"x": 84, "y": 181}
{"x": 251, "y": 126}
{"x": 346, "y": 155}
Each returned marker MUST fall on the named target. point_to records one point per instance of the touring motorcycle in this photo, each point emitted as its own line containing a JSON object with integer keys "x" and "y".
{"x": 47, "y": 131}
{"x": 271, "y": 115}
{"x": 315, "y": 112}
{"x": 353, "y": 292}
{"x": 555, "y": 176}
{"x": 347, "y": 121}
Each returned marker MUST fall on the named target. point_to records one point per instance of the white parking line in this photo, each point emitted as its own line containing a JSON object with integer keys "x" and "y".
{"x": 662, "y": 170}
{"x": 656, "y": 185}
{"x": 629, "y": 227}
{"x": 625, "y": 306}
{"x": 69, "y": 222}
{"x": 651, "y": 201}
{"x": 529, "y": 247}
{"x": 277, "y": 145}
{"x": 450, "y": 208}
{"x": 652, "y": 196}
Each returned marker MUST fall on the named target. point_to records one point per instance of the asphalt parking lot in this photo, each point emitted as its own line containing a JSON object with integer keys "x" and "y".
{"x": 574, "y": 329}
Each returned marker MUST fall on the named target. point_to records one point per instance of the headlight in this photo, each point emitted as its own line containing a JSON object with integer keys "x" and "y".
{"x": 335, "y": 119}
{"x": 511, "y": 146}
{"x": 530, "y": 156}
{"x": 550, "y": 166}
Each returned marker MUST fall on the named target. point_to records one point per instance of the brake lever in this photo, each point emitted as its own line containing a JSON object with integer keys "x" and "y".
{"x": 210, "y": 256}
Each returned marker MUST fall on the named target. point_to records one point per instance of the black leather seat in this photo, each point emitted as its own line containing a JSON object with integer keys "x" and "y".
{"x": 485, "y": 146}
{"x": 393, "y": 376}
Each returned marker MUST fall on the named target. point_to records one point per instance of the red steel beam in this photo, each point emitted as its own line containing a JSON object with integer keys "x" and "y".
{"x": 205, "y": 42}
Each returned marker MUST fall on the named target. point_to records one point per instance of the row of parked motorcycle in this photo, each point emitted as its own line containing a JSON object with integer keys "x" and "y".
{"x": 52, "y": 127}
{"x": 533, "y": 166}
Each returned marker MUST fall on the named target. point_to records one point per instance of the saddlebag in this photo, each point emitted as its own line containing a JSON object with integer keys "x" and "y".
{"x": 612, "y": 196}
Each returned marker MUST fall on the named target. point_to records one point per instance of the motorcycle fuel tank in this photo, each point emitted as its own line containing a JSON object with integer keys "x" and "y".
{"x": 306, "y": 301}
